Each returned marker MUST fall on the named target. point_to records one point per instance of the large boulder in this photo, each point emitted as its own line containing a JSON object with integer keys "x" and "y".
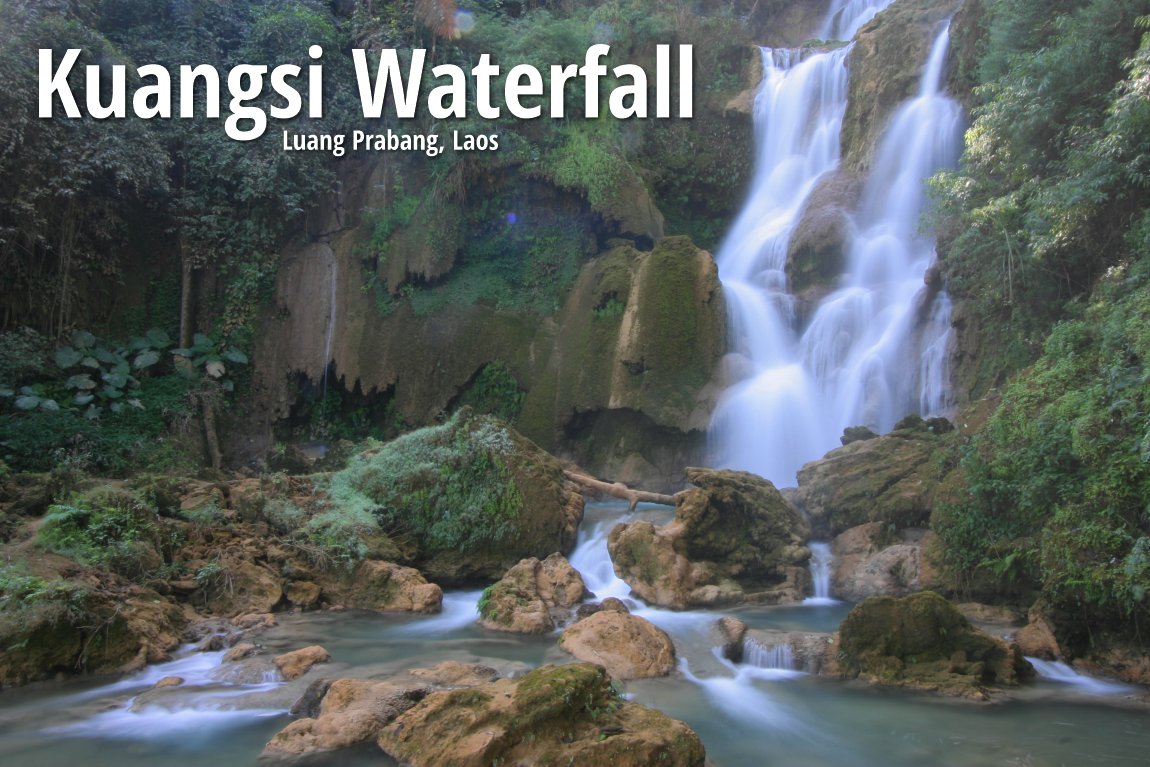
{"x": 532, "y": 596}
{"x": 895, "y": 479}
{"x": 628, "y": 646}
{"x": 467, "y": 498}
{"x": 388, "y": 587}
{"x": 872, "y": 560}
{"x": 734, "y": 539}
{"x": 924, "y": 642}
{"x": 816, "y": 252}
{"x": 555, "y": 715}
{"x": 352, "y": 711}
{"x": 58, "y": 633}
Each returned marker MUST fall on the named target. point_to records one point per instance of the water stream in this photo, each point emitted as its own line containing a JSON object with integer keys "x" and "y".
{"x": 746, "y": 713}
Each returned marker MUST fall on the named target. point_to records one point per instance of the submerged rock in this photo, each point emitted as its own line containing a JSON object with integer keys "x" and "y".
{"x": 924, "y": 642}
{"x": 296, "y": 663}
{"x": 734, "y": 538}
{"x": 553, "y": 716}
{"x": 532, "y": 595}
{"x": 628, "y": 646}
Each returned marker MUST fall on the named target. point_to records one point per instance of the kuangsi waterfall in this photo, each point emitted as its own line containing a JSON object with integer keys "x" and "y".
{"x": 875, "y": 349}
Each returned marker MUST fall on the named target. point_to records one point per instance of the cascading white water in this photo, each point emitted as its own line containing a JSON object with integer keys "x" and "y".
{"x": 821, "y": 560}
{"x": 333, "y": 304}
{"x": 846, "y": 17}
{"x": 779, "y": 656}
{"x": 771, "y": 415}
{"x": 1057, "y": 671}
{"x": 876, "y": 349}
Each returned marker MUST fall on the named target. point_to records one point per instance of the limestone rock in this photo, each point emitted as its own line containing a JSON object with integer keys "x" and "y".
{"x": 532, "y": 595}
{"x": 245, "y": 587}
{"x": 731, "y": 632}
{"x": 895, "y": 479}
{"x": 816, "y": 254}
{"x": 886, "y": 66}
{"x": 352, "y": 711}
{"x": 303, "y": 594}
{"x": 1037, "y": 638}
{"x": 388, "y": 587}
{"x": 870, "y": 560}
{"x": 552, "y": 716}
{"x": 923, "y": 642}
{"x": 296, "y": 663}
{"x": 734, "y": 538}
{"x": 628, "y": 646}
{"x": 452, "y": 673}
{"x": 169, "y": 681}
{"x": 240, "y": 651}
{"x": 137, "y": 627}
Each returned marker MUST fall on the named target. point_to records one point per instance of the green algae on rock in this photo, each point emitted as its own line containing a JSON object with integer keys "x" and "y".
{"x": 924, "y": 642}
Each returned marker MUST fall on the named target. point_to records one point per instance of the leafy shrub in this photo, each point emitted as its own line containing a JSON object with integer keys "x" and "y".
{"x": 21, "y": 593}
{"x": 105, "y": 528}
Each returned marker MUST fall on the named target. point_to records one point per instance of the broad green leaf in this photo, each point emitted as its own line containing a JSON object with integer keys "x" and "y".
{"x": 215, "y": 369}
{"x": 28, "y": 402}
{"x": 106, "y": 356}
{"x": 116, "y": 407}
{"x": 82, "y": 381}
{"x": 235, "y": 355}
{"x": 82, "y": 339}
{"x": 146, "y": 359}
{"x": 117, "y": 380}
{"x": 93, "y": 412}
{"x": 109, "y": 392}
{"x": 136, "y": 404}
{"x": 182, "y": 352}
{"x": 49, "y": 404}
{"x": 7, "y": 393}
{"x": 82, "y": 399}
{"x": 159, "y": 338}
{"x": 202, "y": 343}
{"x": 90, "y": 362}
{"x": 66, "y": 357}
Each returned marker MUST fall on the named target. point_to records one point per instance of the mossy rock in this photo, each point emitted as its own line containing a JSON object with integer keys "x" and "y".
{"x": 924, "y": 642}
{"x": 895, "y": 479}
{"x": 554, "y": 715}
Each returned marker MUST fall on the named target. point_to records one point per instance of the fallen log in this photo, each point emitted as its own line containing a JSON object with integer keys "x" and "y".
{"x": 619, "y": 490}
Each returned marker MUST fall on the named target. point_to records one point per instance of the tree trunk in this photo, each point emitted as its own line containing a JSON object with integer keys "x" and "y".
{"x": 619, "y": 490}
{"x": 187, "y": 302}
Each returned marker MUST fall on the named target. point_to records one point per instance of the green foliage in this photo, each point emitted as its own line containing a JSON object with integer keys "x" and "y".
{"x": 21, "y": 593}
{"x": 495, "y": 391}
{"x": 448, "y": 487}
{"x": 1060, "y": 475}
{"x": 105, "y": 528}
{"x": 1054, "y": 169}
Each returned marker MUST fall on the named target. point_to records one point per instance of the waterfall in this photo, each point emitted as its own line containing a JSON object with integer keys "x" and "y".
{"x": 772, "y": 415}
{"x": 821, "y": 560}
{"x": 846, "y": 17}
{"x": 779, "y": 656}
{"x": 877, "y": 347}
{"x": 1057, "y": 671}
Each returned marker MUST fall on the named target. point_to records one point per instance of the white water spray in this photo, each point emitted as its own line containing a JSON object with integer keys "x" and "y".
{"x": 821, "y": 561}
{"x": 877, "y": 348}
{"x": 846, "y": 17}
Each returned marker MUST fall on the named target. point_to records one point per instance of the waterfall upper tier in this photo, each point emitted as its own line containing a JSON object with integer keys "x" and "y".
{"x": 876, "y": 348}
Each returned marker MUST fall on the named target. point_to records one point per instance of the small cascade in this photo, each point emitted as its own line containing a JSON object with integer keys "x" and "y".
{"x": 1057, "y": 671}
{"x": 821, "y": 561}
{"x": 846, "y": 17}
{"x": 779, "y": 656}
{"x": 460, "y": 610}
